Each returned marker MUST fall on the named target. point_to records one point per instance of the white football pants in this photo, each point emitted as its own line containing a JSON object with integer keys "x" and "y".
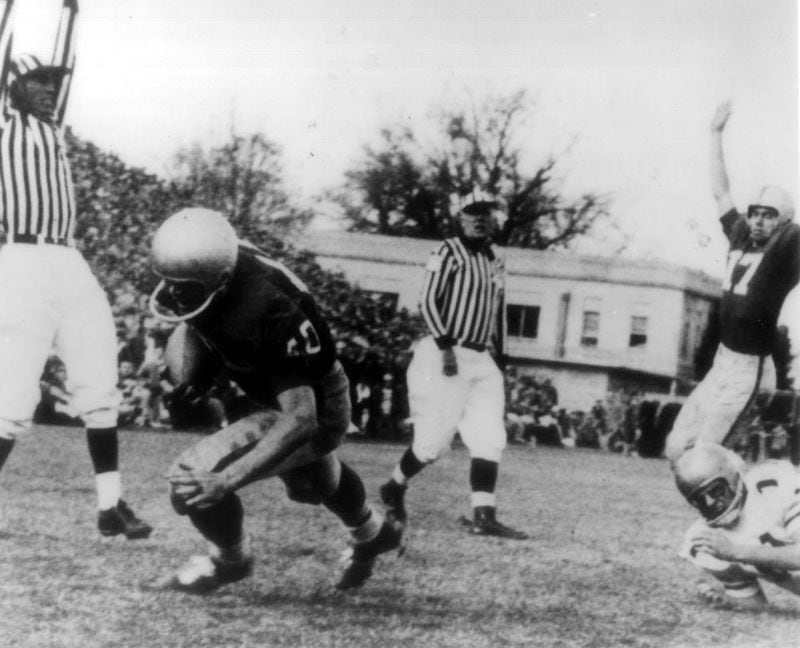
{"x": 471, "y": 402}
{"x": 722, "y": 397}
{"x": 51, "y": 302}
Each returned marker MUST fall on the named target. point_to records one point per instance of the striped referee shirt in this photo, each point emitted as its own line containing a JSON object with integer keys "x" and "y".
{"x": 462, "y": 294}
{"x": 37, "y": 197}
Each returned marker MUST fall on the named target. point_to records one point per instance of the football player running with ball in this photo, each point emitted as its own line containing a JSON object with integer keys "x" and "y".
{"x": 750, "y": 525}
{"x": 763, "y": 267}
{"x": 252, "y": 316}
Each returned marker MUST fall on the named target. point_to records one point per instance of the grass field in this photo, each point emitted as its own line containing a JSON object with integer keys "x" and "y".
{"x": 600, "y": 568}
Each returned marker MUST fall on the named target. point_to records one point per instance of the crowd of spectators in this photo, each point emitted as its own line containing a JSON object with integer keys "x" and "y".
{"x": 624, "y": 421}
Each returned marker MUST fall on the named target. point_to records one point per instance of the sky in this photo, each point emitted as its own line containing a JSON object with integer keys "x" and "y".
{"x": 624, "y": 89}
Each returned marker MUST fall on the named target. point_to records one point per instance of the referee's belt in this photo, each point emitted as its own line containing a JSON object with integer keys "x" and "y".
{"x": 41, "y": 239}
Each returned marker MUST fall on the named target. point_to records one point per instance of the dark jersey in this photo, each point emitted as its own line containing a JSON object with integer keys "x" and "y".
{"x": 266, "y": 326}
{"x": 757, "y": 281}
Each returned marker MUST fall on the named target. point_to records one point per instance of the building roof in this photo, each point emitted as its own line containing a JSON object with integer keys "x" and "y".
{"x": 519, "y": 261}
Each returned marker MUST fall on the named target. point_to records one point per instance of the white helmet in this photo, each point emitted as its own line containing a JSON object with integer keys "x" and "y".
{"x": 777, "y": 199}
{"x": 194, "y": 252}
{"x": 709, "y": 476}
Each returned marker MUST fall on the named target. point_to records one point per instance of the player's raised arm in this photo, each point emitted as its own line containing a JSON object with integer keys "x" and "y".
{"x": 6, "y": 37}
{"x": 720, "y": 184}
{"x": 64, "y": 54}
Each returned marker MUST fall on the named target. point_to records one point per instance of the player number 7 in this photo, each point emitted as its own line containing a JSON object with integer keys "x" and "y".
{"x": 751, "y": 261}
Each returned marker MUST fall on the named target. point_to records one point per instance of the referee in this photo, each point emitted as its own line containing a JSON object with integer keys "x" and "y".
{"x": 454, "y": 383}
{"x": 50, "y": 299}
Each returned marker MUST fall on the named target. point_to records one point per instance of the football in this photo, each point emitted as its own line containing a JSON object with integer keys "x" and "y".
{"x": 189, "y": 360}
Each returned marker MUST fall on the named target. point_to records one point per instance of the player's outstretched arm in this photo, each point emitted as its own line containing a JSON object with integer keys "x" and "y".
{"x": 766, "y": 557}
{"x": 720, "y": 184}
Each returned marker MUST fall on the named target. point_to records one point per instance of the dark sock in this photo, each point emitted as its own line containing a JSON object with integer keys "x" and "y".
{"x": 349, "y": 501}
{"x": 409, "y": 464}
{"x": 483, "y": 475}
{"x": 222, "y": 523}
{"x": 6, "y": 446}
{"x": 103, "y": 449}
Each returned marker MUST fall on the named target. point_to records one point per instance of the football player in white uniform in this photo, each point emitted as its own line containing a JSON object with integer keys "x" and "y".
{"x": 750, "y": 525}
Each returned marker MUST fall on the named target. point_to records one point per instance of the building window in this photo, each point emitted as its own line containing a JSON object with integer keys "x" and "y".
{"x": 522, "y": 321}
{"x": 638, "y": 336}
{"x": 591, "y": 328}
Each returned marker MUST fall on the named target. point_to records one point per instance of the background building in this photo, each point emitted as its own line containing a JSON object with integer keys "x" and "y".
{"x": 591, "y": 324}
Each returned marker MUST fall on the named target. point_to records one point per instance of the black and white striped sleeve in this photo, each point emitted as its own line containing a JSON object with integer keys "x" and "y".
{"x": 434, "y": 289}
{"x": 64, "y": 55}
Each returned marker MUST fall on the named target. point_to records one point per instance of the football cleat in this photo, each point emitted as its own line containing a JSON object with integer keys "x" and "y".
{"x": 362, "y": 557}
{"x": 204, "y": 574}
{"x": 392, "y": 495}
{"x": 484, "y": 523}
{"x": 120, "y": 519}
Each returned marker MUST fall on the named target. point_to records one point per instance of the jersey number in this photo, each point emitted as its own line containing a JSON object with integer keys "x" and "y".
{"x": 750, "y": 262}
{"x": 305, "y": 342}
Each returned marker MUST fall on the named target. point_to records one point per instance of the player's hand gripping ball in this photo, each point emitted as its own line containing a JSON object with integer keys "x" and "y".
{"x": 181, "y": 488}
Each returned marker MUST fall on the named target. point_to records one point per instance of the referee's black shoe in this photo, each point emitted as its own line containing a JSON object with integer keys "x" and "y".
{"x": 120, "y": 519}
{"x": 485, "y": 523}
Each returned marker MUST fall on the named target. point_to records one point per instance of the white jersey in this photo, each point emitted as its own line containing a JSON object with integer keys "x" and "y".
{"x": 770, "y": 515}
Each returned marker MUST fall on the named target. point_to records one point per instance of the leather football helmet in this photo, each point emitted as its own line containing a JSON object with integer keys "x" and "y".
{"x": 775, "y": 198}
{"x": 194, "y": 252}
{"x": 710, "y": 477}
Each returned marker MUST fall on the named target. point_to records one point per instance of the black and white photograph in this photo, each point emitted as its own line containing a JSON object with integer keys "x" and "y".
{"x": 357, "y": 324}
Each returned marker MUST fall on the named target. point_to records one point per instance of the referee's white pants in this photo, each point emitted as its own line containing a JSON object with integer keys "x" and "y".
{"x": 51, "y": 301}
{"x": 721, "y": 400}
{"x": 471, "y": 402}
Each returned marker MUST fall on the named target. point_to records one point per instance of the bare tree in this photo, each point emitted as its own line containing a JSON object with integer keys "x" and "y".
{"x": 241, "y": 178}
{"x": 405, "y": 187}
